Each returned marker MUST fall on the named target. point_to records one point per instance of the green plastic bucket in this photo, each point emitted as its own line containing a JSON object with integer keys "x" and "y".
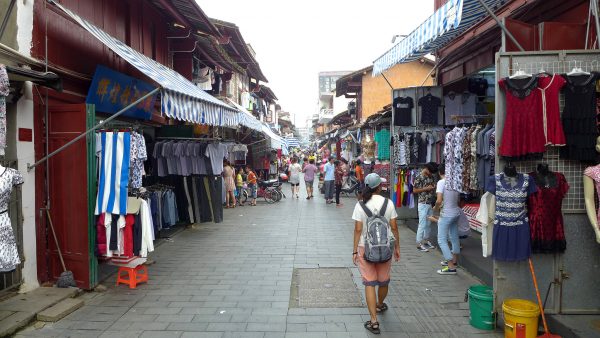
{"x": 481, "y": 307}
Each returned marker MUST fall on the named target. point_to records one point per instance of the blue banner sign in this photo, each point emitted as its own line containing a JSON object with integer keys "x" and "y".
{"x": 112, "y": 91}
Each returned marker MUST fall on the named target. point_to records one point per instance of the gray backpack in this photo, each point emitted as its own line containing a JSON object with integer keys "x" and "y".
{"x": 379, "y": 241}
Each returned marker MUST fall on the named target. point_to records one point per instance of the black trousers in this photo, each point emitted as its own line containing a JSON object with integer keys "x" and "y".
{"x": 338, "y": 190}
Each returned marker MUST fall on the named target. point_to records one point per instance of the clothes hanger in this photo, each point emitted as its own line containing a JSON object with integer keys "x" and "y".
{"x": 577, "y": 71}
{"x": 520, "y": 74}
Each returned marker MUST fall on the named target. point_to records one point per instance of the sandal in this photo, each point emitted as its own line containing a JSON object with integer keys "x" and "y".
{"x": 382, "y": 308}
{"x": 373, "y": 327}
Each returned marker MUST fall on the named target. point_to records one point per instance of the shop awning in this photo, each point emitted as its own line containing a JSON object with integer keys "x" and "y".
{"x": 246, "y": 118}
{"x": 447, "y": 23}
{"x": 277, "y": 142}
{"x": 292, "y": 142}
{"x": 180, "y": 98}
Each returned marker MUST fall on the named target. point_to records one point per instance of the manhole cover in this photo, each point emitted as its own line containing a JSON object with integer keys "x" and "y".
{"x": 324, "y": 287}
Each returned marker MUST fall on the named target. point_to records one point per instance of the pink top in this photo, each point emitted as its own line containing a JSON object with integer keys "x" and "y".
{"x": 594, "y": 174}
{"x": 550, "y": 87}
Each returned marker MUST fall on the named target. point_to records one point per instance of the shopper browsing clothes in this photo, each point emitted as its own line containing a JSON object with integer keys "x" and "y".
{"x": 424, "y": 186}
{"x": 295, "y": 170}
{"x": 228, "y": 175}
{"x": 252, "y": 185}
{"x": 329, "y": 171}
{"x": 447, "y": 224}
{"x": 374, "y": 274}
{"x": 239, "y": 185}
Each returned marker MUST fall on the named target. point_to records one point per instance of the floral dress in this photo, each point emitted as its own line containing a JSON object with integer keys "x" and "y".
{"x": 9, "y": 255}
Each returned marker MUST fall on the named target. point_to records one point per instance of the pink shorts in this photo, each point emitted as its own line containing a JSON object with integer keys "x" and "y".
{"x": 373, "y": 274}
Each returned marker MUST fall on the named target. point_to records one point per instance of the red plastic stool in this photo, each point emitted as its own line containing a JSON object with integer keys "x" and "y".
{"x": 132, "y": 276}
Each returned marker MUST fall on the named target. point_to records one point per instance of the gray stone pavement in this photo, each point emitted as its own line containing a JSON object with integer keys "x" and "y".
{"x": 233, "y": 280}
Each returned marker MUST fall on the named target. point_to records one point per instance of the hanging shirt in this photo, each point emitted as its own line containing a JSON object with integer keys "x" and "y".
{"x": 452, "y": 107}
{"x": 403, "y": 107}
{"x": 430, "y": 106}
{"x": 382, "y": 138}
{"x": 216, "y": 152}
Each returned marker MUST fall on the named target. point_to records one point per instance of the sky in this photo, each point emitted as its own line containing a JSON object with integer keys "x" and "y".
{"x": 295, "y": 40}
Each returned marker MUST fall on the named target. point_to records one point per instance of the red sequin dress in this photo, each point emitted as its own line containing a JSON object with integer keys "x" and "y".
{"x": 523, "y": 134}
{"x": 545, "y": 216}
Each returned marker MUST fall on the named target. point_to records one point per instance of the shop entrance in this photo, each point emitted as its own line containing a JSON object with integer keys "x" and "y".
{"x": 68, "y": 172}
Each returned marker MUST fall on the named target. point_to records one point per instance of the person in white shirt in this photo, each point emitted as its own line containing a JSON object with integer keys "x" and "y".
{"x": 448, "y": 224}
{"x": 295, "y": 170}
{"x": 374, "y": 274}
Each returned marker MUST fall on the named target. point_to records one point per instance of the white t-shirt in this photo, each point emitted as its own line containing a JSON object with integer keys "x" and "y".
{"x": 295, "y": 170}
{"x": 451, "y": 198}
{"x": 374, "y": 204}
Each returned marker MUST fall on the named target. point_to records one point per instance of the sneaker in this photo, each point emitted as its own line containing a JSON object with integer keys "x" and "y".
{"x": 422, "y": 248}
{"x": 429, "y": 245}
{"x": 447, "y": 271}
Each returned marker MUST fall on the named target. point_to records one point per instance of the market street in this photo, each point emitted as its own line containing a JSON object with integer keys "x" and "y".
{"x": 233, "y": 280}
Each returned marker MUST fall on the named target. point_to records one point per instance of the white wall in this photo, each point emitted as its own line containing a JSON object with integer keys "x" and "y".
{"x": 340, "y": 104}
{"x": 25, "y": 151}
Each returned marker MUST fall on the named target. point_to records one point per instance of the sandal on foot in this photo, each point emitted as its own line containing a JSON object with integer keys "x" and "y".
{"x": 373, "y": 327}
{"x": 382, "y": 308}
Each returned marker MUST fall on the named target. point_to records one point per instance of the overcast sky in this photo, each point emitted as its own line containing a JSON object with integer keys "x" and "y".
{"x": 295, "y": 40}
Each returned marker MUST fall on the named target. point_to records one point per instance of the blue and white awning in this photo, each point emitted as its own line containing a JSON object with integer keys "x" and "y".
{"x": 292, "y": 142}
{"x": 181, "y": 99}
{"x": 448, "y": 22}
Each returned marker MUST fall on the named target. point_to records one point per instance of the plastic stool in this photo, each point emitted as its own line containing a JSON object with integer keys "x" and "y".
{"x": 132, "y": 276}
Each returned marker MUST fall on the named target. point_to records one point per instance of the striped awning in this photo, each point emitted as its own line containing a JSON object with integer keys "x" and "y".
{"x": 292, "y": 142}
{"x": 180, "y": 98}
{"x": 447, "y": 23}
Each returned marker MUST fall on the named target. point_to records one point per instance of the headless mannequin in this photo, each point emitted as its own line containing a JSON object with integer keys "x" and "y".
{"x": 510, "y": 174}
{"x": 589, "y": 197}
{"x": 545, "y": 178}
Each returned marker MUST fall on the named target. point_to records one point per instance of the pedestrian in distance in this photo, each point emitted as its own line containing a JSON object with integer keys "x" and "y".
{"x": 424, "y": 186}
{"x": 294, "y": 173}
{"x": 448, "y": 224}
{"x": 239, "y": 185}
{"x": 339, "y": 180}
{"x": 374, "y": 274}
{"x": 360, "y": 176}
{"x": 228, "y": 176}
{"x": 329, "y": 180}
{"x": 252, "y": 185}
{"x": 309, "y": 177}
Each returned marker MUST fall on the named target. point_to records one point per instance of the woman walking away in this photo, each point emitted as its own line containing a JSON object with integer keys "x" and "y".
{"x": 309, "y": 177}
{"x": 295, "y": 170}
{"x": 339, "y": 180}
{"x": 374, "y": 274}
{"x": 239, "y": 185}
{"x": 252, "y": 185}
{"x": 228, "y": 175}
{"x": 447, "y": 224}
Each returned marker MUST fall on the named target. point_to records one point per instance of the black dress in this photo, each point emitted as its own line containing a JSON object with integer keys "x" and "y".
{"x": 579, "y": 118}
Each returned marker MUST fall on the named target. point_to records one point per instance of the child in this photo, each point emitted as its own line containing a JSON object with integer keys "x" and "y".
{"x": 252, "y": 185}
{"x": 239, "y": 185}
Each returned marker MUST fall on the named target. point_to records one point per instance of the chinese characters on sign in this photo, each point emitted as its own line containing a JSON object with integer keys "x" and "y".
{"x": 112, "y": 91}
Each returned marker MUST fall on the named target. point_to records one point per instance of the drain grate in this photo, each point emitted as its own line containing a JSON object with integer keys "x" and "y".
{"x": 324, "y": 288}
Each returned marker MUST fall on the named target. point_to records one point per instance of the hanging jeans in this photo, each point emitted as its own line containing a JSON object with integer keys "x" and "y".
{"x": 425, "y": 210}
{"x": 448, "y": 227}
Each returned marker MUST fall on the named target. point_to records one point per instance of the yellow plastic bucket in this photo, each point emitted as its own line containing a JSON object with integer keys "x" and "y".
{"x": 520, "y": 318}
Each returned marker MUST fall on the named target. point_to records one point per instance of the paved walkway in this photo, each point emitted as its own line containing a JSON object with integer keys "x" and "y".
{"x": 233, "y": 280}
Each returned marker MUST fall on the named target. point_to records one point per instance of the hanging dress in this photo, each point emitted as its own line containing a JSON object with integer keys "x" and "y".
{"x": 511, "y": 240}
{"x": 9, "y": 255}
{"x": 545, "y": 216}
{"x": 523, "y": 134}
{"x": 579, "y": 118}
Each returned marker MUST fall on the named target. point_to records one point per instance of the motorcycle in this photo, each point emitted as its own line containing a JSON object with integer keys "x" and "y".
{"x": 352, "y": 186}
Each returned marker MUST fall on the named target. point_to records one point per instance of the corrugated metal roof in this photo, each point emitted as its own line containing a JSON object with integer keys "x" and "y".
{"x": 192, "y": 12}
